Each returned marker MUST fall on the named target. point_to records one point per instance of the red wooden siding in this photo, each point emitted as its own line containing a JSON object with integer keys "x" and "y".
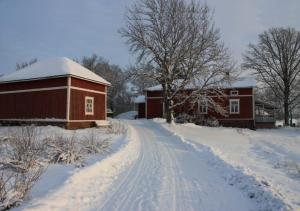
{"x": 154, "y": 94}
{"x": 52, "y": 104}
{"x": 34, "y": 105}
{"x": 141, "y": 110}
{"x": 35, "y": 84}
{"x": 155, "y": 106}
{"x": 77, "y": 105}
{"x": 87, "y": 84}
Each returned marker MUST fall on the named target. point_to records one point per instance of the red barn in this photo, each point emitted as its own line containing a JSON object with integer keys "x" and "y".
{"x": 243, "y": 110}
{"x": 55, "y": 91}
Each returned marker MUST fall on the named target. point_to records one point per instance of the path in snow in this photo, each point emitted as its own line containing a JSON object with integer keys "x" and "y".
{"x": 166, "y": 174}
{"x": 171, "y": 175}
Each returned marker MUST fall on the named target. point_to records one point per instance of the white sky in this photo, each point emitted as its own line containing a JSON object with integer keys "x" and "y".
{"x": 76, "y": 28}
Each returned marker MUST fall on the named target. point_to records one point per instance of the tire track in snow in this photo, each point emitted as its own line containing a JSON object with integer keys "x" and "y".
{"x": 136, "y": 190}
{"x": 171, "y": 175}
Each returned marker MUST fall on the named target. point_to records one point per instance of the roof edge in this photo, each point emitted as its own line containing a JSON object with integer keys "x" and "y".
{"x": 56, "y": 76}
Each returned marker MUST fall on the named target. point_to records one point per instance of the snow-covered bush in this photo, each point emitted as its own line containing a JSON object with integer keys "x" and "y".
{"x": 22, "y": 149}
{"x": 116, "y": 127}
{"x": 93, "y": 144}
{"x": 184, "y": 118}
{"x": 14, "y": 186}
{"x": 62, "y": 149}
{"x": 212, "y": 122}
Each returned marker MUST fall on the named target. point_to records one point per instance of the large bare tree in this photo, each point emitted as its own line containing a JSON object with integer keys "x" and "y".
{"x": 276, "y": 61}
{"x": 177, "y": 38}
{"x": 119, "y": 100}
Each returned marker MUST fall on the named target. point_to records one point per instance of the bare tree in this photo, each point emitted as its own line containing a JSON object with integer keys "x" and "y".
{"x": 178, "y": 40}
{"x": 22, "y": 65}
{"x": 276, "y": 61}
{"x": 141, "y": 81}
{"x": 119, "y": 100}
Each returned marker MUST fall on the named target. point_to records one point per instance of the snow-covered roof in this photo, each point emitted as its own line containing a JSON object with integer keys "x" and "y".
{"x": 52, "y": 68}
{"x": 139, "y": 99}
{"x": 241, "y": 82}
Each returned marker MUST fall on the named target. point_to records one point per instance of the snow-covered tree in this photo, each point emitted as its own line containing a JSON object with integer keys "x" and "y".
{"x": 179, "y": 41}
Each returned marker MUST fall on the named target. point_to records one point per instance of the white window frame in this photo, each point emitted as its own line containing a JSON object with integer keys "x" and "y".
{"x": 85, "y": 107}
{"x": 200, "y": 105}
{"x": 234, "y": 92}
{"x": 230, "y": 103}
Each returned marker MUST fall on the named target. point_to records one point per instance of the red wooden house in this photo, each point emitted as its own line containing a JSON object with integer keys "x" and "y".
{"x": 55, "y": 91}
{"x": 243, "y": 110}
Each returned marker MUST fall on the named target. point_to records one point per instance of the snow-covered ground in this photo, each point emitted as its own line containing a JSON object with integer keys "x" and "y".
{"x": 280, "y": 123}
{"x": 272, "y": 157}
{"x": 127, "y": 115}
{"x": 155, "y": 166}
{"x": 83, "y": 188}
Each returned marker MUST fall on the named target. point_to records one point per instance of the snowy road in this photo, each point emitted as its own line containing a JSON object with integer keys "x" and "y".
{"x": 160, "y": 172}
{"x": 171, "y": 175}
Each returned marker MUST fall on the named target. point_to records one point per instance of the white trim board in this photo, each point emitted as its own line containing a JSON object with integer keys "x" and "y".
{"x": 52, "y": 88}
{"x": 52, "y": 120}
{"x": 34, "y": 90}
{"x": 87, "y": 90}
{"x": 68, "y": 99}
{"x": 51, "y": 77}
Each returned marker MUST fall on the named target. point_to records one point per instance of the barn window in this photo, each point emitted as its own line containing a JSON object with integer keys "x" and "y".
{"x": 234, "y": 92}
{"x": 234, "y": 106}
{"x": 89, "y": 106}
{"x": 203, "y": 107}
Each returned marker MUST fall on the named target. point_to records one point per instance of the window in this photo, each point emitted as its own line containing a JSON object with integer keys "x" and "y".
{"x": 234, "y": 92}
{"x": 89, "y": 106}
{"x": 203, "y": 107}
{"x": 234, "y": 106}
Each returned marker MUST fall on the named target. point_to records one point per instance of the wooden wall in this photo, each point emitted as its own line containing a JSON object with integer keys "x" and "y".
{"x": 34, "y": 105}
{"x": 155, "y": 105}
{"x": 77, "y": 100}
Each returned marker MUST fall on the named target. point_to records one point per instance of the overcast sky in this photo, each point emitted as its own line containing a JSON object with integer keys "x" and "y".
{"x": 75, "y": 28}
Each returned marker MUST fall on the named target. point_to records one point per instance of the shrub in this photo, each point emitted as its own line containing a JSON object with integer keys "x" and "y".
{"x": 92, "y": 144}
{"x": 15, "y": 186}
{"x": 184, "y": 118}
{"x": 23, "y": 149}
{"x": 116, "y": 127}
{"x": 63, "y": 149}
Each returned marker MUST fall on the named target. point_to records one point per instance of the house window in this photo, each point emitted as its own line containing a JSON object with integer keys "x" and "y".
{"x": 234, "y": 106}
{"x": 203, "y": 108}
{"x": 234, "y": 92}
{"x": 89, "y": 106}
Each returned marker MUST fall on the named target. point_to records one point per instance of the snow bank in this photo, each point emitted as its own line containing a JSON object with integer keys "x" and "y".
{"x": 127, "y": 115}
{"x": 225, "y": 149}
{"x": 65, "y": 187}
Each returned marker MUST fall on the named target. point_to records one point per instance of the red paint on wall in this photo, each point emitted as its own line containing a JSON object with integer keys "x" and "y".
{"x": 77, "y": 82}
{"x": 77, "y": 105}
{"x": 34, "y": 84}
{"x": 34, "y": 105}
